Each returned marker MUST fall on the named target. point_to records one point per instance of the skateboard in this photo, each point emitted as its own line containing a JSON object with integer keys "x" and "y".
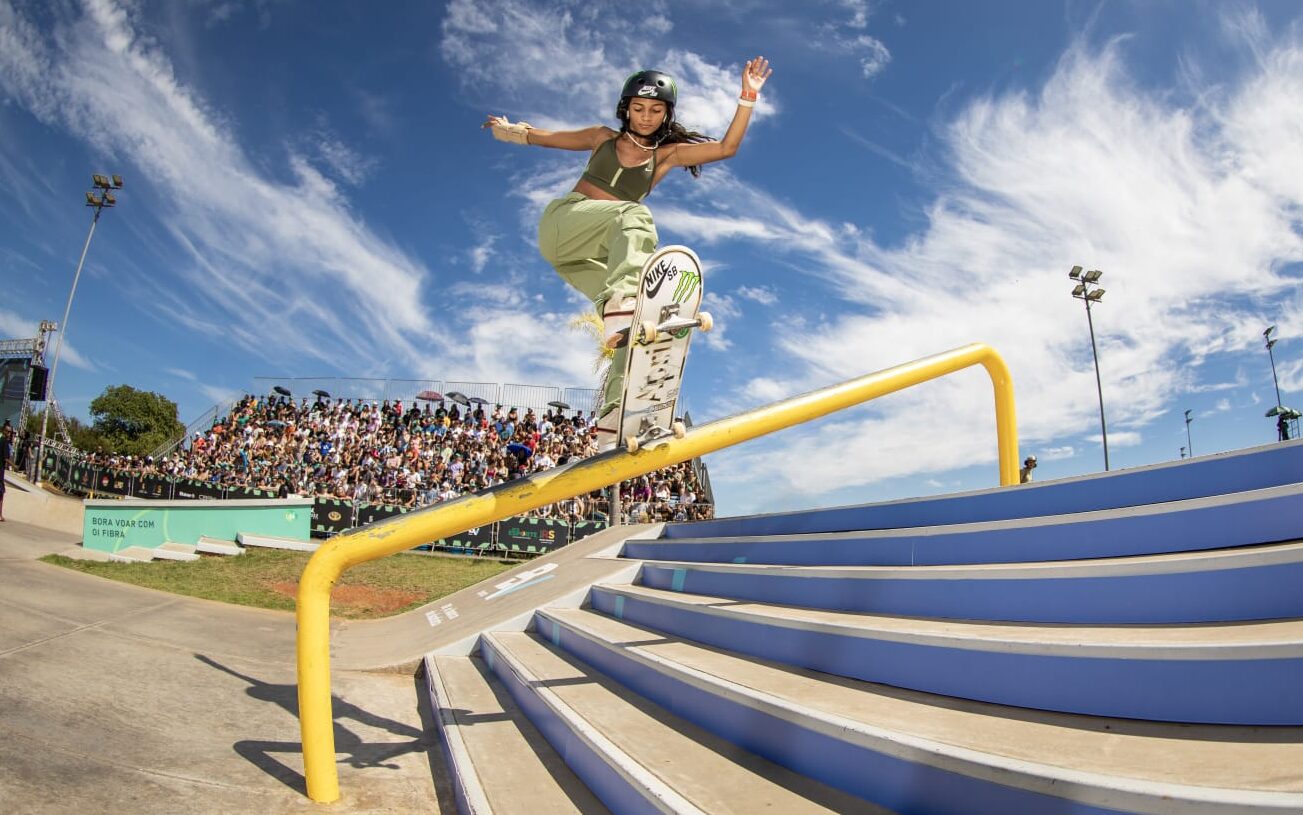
{"x": 666, "y": 313}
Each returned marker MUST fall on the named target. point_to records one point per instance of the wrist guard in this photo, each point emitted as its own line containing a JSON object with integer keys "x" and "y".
{"x": 504, "y": 130}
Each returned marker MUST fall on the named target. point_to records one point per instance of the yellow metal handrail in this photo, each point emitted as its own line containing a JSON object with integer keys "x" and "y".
{"x": 404, "y": 532}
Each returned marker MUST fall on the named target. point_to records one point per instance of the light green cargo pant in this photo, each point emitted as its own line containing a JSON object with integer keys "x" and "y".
{"x": 599, "y": 247}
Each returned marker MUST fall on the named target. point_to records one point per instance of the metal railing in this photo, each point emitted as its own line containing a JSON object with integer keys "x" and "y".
{"x": 407, "y": 531}
{"x": 508, "y": 394}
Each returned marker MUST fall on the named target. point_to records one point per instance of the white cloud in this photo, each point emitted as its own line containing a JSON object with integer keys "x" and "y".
{"x": 220, "y": 395}
{"x": 295, "y": 235}
{"x": 1201, "y": 200}
{"x": 849, "y": 36}
{"x": 724, "y": 310}
{"x": 344, "y": 161}
{"x": 16, "y": 327}
{"x": 181, "y": 373}
{"x": 763, "y": 295}
{"x": 554, "y": 66}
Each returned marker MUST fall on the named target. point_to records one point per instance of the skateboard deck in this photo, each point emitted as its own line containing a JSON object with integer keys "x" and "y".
{"x": 666, "y": 313}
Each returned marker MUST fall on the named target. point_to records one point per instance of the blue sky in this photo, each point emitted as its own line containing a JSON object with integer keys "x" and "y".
{"x": 308, "y": 193}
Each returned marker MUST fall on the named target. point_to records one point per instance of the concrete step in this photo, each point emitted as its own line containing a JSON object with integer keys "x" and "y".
{"x": 1218, "y": 522}
{"x": 272, "y": 542}
{"x": 216, "y": 546}
{"x": 132, "y": 554}
{"x": 917, "y": 752}
{"x": 499, "y": 762}
{"x": 1248, "y": 583}
{"x": 176, "y": 551}
{"x": 1255, "y": 468}
{"x": 1163, "y": 673}
{"x": 638, "y": 757}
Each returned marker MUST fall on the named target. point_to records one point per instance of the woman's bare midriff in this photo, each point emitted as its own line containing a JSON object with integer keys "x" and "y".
{"x": 593, "y": 191}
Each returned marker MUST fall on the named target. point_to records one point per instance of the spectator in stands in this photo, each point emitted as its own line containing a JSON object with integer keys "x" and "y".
{"x": 358, "y": 450}
{"x": 1025, "y": 474}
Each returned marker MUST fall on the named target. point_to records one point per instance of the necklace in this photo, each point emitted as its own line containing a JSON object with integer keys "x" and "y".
{"x": 639, "y": 144}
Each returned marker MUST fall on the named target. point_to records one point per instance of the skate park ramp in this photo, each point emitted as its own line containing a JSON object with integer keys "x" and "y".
{"x": 1124, "y": 642}
{"x": 27, "y": 503}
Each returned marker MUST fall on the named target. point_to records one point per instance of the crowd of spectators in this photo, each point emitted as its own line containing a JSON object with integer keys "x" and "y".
{"x": 409, "y": 456}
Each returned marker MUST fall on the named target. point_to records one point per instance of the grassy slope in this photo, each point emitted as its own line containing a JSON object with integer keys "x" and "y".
{"x": 268, "y": 578}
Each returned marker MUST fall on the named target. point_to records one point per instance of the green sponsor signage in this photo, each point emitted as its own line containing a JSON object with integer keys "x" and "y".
{"x": 113, "y": 525}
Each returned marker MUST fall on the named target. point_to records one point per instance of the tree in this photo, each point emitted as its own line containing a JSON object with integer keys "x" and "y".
{"x": 83, "y": 436}
{"x": 134, "y": 422}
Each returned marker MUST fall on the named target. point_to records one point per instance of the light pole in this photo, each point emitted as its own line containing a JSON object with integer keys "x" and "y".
{"x": 1188, "y": 443}
{"x": 1282, "y": 424}
{"x": 1086, "y": 294}
{"x": 1266, "y": 335}
{"x": 99, "y": 198}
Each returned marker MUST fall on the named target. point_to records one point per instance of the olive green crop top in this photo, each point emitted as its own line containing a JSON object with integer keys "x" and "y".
{"x": 605, "y": 171}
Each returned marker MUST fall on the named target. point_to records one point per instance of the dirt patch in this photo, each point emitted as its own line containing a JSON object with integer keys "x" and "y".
{"x": 358, "y": 601}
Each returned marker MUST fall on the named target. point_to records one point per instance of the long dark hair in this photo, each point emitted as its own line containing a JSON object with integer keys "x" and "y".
{"x": 670, "y": 132}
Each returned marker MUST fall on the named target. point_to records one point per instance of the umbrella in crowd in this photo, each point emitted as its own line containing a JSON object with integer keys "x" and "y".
{"x": 430, "y": 396}
{"x": 275, "y": 423}
{"x": 283, "y": 391}
{"x": 519, "y": 450}
{"x": 319, "y": 392}
{"x": 478, "y": 400}
{"x": 458, "y": 397}
{"x": 559, "y": 405}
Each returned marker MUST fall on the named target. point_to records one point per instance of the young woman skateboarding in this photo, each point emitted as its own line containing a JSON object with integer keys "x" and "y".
{"x": 599, "y": 235}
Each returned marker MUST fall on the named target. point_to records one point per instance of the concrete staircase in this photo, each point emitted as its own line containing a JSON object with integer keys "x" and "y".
{"x": 1128, "y": 642}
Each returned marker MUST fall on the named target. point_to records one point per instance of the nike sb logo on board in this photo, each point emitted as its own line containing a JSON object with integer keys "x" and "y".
{"x": 657, "y": 275}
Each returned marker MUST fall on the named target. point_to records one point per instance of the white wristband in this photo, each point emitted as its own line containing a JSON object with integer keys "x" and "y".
{"x": 745, "y": 103}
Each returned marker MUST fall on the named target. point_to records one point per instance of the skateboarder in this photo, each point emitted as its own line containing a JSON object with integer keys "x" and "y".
{"x": 598, "y": 236}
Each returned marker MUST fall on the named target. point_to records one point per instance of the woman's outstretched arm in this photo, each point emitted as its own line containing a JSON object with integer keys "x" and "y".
{"x": 523, "y": 133}
{"x": 754, "y": 75}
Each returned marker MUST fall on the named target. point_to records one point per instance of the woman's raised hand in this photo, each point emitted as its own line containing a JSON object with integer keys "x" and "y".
{"x": 755, "y": 74}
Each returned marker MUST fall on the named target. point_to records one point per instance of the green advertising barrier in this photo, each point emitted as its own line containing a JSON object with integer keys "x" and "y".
{"x": 111, "y": 525}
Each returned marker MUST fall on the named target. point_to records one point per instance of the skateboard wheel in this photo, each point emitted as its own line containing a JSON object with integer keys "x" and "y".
{"x": 648, "y": 330}
{"x": 705, "y": 321}
{"x": 679, "y": 430}
{"x": 631, "y": 444}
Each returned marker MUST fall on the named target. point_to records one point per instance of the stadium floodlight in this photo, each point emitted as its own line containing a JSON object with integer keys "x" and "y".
{"x": 98, "y": 202}
{"x": 1188, "y": 442}
{"x": 1271, "y": 329}
{"x": 1084, "y": 292}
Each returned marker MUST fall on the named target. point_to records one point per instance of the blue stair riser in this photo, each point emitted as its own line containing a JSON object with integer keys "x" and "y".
{"x": 1243, "y": 691}
{"x": 1241, "y": 523}
{"x": 1263, "y": 467}
{"x": 1266, "y": 592}
{"x": 611, "y": 788}
{"x": 892, "y": 781}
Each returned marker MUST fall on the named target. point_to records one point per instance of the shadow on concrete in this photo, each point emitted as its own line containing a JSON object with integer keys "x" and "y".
{"x": 356, "y": 752}
{"x": 439, "y": 769}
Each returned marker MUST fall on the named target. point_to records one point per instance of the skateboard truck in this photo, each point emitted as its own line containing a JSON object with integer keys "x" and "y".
{"x": 649, "y": 431}
{"x": 671, "y": 323}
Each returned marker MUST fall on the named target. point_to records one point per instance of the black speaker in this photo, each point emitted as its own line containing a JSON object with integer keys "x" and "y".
{"x": 36, "y": 392}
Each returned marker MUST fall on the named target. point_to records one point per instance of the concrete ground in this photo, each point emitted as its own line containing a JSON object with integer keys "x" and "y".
{"x": 120, "y": 699}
